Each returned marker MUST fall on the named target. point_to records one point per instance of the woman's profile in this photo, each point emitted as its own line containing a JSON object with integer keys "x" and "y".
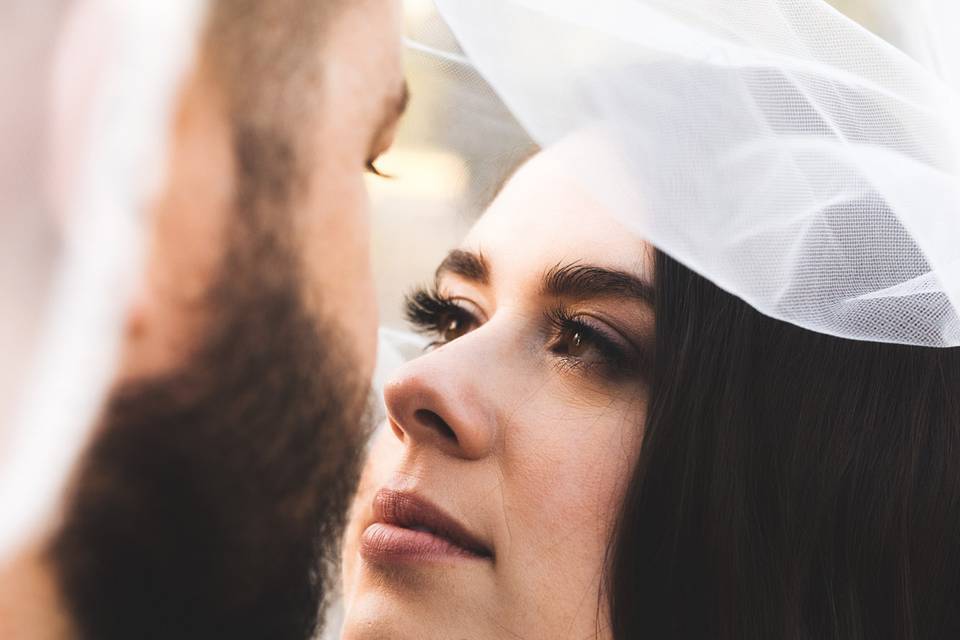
{"x": 600, "y": 443}
{"x": 694, "y": 372}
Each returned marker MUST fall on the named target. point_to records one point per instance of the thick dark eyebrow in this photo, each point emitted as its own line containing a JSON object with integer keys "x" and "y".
{"x": 583, "y": 281}
{"x": 467, "y": 265}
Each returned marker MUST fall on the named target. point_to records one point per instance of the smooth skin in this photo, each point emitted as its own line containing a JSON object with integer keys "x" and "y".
{"x": 522, "y": 426}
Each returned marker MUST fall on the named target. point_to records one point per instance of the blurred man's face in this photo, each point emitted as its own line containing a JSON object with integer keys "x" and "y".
{"x": 219, "y": 475}
{"x": 367, "y": 91}
{"x": 360, "y": 97}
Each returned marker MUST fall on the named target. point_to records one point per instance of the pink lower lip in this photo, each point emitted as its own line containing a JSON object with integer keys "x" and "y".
{"x": 389, "y": 543}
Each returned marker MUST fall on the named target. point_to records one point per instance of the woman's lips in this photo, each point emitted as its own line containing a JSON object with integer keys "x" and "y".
{"x": 411, "y": 529}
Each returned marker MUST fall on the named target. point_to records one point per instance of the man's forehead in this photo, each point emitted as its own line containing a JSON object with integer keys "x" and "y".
{"x": 366, "y": 44}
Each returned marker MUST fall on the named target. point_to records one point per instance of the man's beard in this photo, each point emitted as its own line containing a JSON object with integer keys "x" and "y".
{"x": 211, "y": 501}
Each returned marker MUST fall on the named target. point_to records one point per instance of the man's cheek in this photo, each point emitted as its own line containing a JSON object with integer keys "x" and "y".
{"x": 386, "y": 454}
{"x": 383, "y": 458}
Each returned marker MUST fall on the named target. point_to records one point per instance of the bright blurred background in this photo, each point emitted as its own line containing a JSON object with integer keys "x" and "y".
{"x": 442, "y": 173}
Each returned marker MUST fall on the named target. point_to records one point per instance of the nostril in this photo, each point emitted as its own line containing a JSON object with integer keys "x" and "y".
{"x": 431, "y": 420}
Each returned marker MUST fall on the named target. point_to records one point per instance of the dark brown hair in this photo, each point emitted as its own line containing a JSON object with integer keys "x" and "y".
{"x": 791, "y": 485}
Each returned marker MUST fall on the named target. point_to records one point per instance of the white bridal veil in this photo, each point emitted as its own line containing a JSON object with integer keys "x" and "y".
{"x": 776, "y": 147}
{"x": 87, "y": 88}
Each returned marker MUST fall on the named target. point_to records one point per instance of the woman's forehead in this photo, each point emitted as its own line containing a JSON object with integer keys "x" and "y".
{"x": 544, "y": 218}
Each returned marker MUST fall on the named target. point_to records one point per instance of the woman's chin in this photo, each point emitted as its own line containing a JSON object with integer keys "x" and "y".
{"x": 415, "y": 602}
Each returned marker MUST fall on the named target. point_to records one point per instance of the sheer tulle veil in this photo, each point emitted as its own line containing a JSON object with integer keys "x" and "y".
{"x": 776, "y": 147}
{"x": 90, "y": 84}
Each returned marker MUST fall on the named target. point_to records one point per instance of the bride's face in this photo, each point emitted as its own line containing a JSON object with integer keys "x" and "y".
{"x": 489, "y": 499}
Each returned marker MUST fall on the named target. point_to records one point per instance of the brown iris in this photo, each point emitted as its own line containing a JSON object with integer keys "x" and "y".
{"x": 573, "y": 342}
{"x": 454, "y": 328}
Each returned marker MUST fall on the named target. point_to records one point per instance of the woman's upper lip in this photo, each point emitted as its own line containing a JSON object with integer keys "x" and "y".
{"x": 410, "y": 511}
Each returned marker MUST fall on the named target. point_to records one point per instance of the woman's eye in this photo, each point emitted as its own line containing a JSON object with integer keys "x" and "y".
{"x": 454, "y": 328}
{"x": 435, "y": 314}
{"x": 576, "y": 341}
{"x": 572, "y": 342}
{"x": 581, "y": 344}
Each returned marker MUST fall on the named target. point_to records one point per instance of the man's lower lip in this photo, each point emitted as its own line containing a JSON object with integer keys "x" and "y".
{"x": 387, "y": 543}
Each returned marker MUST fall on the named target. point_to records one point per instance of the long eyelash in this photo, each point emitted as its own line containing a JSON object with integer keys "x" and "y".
{"x": 372, "y": 169}
{"x": 430, "y": 312}
{"x": 614, "y": 357}
{"x": 427, "y": 309}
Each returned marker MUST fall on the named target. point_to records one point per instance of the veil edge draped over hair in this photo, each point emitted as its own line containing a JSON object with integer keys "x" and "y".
{"x": 776, "y": 147}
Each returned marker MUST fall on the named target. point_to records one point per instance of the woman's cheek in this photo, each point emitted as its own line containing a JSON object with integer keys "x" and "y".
{"x": 575, "y": 470}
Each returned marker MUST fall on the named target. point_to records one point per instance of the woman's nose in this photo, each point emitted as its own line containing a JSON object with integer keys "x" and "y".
{"x": 443, "y": 400}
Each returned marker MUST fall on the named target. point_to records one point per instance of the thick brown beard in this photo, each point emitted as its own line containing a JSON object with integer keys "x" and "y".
{"x": 211, "y": 503}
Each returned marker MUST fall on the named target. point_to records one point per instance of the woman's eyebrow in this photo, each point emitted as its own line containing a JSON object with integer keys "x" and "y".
{"x": 466, "y": 264}
{"x": 591, "y": 281}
